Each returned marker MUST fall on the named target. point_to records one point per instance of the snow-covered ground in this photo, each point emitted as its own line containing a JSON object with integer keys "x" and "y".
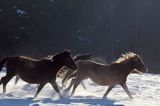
{"x": 145, "y": 90}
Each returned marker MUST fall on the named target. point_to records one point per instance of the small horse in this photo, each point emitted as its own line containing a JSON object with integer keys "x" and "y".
{"x": 66, "y": 72}
{"x": 108, "y": 74}
{"x": 36, "y": 71}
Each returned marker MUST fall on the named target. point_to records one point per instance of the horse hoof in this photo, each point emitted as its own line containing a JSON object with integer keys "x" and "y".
{"x": 104, "y": 97}
{"x": 60, "y": 97}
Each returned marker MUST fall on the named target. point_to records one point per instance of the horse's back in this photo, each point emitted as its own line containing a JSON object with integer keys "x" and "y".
{"x": 22, "y": 66}
{"x": 88, "y": 66}
{"x": 99, "y": 73}
{"x": 25, "y": 58}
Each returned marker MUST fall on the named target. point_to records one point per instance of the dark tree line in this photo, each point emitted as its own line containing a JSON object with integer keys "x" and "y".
{"x": 104, "y": 28}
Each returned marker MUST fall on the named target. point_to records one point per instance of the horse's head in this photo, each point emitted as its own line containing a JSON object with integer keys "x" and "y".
{"x": 66, "y": 59}
{"x": 138, "y": 64}
{"x": 134, "y": 62}
{"x": 69, "y": 62}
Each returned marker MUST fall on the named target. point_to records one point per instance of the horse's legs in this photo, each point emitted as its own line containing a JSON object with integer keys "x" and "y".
{"x": 124, "y": 86}
{"x": 65, "y": 79}
{"x": 39, "y": 89}
{"x": 70, "y": 75}
{"x": 5, "y": 80}
{"x": 54, "y": 85}
{"x": 83, "y": 85}
{"x": 76, "y": 83}
{"x": 16, "y": 80}
{"x": 108, "y": 90}
{"x": 71, "y": 84}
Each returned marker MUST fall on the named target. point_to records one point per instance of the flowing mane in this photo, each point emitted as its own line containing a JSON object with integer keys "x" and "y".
{"x": 125, "y": 57}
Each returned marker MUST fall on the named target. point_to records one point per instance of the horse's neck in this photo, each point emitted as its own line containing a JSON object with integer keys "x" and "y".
{"x": 125, "y": 67}
{"x": 57, "y": 65}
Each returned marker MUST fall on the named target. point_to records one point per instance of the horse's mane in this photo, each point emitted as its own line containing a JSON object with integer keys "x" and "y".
{"x": 29, "y": 58}
{"x": 125, "y": 57}
{"x": 49, "y": 57}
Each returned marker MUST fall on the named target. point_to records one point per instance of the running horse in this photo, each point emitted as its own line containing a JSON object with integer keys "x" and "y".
{"x": 108, "y": 74}
{"x": 36, "y": 71}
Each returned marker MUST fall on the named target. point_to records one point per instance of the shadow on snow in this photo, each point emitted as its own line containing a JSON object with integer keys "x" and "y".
{"x": 90, "y": 100}
{"x": 17, "y": 102}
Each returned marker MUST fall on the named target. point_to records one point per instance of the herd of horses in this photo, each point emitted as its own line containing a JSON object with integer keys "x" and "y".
{"x": 77, "y": 68}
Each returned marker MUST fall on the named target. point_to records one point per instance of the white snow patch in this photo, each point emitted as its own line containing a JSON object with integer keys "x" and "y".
{"x": 145, "y": 90}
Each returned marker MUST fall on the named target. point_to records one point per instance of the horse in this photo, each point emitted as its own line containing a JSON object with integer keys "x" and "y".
{"x": 49, "y": 57}
{"x": 34, "y": 71}
{"x": 108, "y": 74}
{"x": 65, "y": 72}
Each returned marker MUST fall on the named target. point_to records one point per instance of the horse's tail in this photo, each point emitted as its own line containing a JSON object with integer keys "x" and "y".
{"x": 3, "y": 61}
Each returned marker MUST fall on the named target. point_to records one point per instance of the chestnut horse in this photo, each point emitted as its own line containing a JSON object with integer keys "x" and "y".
{"x": 108, "y": 74}
{"x": 36, "y": 71}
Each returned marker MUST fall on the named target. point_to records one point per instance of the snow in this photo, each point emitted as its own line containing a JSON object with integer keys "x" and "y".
{"x": 145, "y": 90}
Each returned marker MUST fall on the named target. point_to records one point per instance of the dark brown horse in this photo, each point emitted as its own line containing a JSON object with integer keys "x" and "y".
{"x": 111, "y": 74}
{"x": 49, "y": 57}
{"x": 36, "y": 71}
